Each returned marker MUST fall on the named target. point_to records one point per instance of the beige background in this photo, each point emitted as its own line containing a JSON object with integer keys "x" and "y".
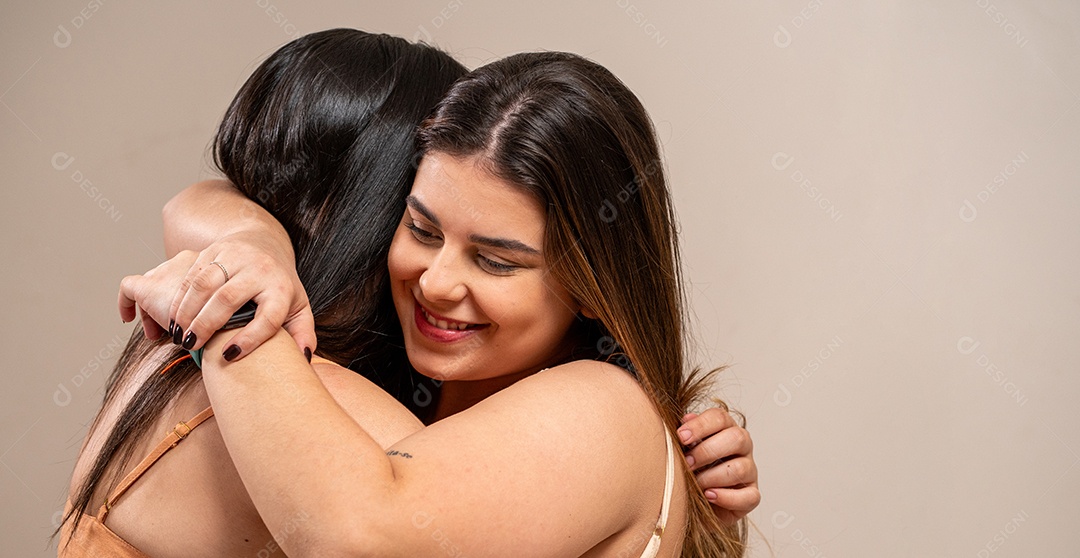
{"x": 879, "y": 211}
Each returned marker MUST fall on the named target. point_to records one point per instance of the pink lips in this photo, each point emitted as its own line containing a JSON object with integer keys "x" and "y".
{"x": 435, "y": 333}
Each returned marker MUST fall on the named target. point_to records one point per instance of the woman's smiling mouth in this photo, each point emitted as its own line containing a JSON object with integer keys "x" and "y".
{"x": 438, "y": 328}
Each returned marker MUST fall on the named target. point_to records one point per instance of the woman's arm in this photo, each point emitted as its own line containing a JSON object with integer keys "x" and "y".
{"x": 213, "y": 209}
{"x": 550, "y": 466}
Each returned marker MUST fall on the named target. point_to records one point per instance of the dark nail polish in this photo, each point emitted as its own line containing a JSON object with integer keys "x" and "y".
{"x": 172, "y": 326}
{"x": 189, "y": 341}
{"x": 307, "y": 353}
{"x": 232, "y": 352}
{"x": 177, "y": 335}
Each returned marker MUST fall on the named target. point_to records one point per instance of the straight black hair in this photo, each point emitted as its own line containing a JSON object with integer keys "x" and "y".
{"x": 321, "y": 136}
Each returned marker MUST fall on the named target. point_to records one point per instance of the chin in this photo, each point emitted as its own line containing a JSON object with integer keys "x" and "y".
{"x": 436, "y": 367}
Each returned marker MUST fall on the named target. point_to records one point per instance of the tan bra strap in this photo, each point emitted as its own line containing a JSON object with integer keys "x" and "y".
{"x": 179, "y": 432}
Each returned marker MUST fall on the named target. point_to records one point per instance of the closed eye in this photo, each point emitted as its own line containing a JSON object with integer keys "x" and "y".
{"x": 425, "y": 237}
{"x": 495, "y": 267}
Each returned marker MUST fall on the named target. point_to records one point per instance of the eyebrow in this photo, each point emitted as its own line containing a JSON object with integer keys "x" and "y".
{"x": 414, "y": 203}
{"x": 503, "y": 243}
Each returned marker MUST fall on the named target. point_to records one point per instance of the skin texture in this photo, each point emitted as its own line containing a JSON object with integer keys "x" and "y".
{"x": 734, "y": 499}
{"x": 567, "y": 423}
{"x": 483, "y": 267}
{"x": 215, "y": 218}
{"x": 198, "y": 473}
{"x": 721, "y": 454}
{"x": 594, "y": 417}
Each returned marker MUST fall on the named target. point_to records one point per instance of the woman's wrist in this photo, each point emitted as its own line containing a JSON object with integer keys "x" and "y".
{"x": 239, "y": 319}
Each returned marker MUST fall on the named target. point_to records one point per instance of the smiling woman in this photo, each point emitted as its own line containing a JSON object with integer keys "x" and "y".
{"x": 514, "y": 294}
{"x": 474, "y": 294}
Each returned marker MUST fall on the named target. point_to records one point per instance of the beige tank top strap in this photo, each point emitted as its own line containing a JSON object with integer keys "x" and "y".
{"x": 179, "y": 432}
{"x": 653, "y": 548}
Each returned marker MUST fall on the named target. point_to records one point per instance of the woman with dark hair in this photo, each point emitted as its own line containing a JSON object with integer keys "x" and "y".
{"x": 516, "y": 292}
{"x": 321, "y": 137}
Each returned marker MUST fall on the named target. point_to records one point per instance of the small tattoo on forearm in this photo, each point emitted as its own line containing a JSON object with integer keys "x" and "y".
{"x": 392, "y": 453}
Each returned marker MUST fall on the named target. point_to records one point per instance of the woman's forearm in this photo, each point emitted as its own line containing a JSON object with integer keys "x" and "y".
{"x": 288, "y": 438}
{"x": 212, "y": 209}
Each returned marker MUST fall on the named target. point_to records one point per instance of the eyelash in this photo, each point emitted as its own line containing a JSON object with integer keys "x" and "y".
{"x": 496, "y": 266}
{"x": 420, "y": 234}
{"x": 426, "y": 237}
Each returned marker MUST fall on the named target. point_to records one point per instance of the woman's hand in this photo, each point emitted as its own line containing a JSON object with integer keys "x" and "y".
{"x": 721, "y": 454}
{"x": 152, "y": 293}
{"x": 243, "y": 266}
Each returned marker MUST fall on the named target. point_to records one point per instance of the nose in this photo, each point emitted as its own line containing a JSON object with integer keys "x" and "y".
{"x": 442, "y": 280}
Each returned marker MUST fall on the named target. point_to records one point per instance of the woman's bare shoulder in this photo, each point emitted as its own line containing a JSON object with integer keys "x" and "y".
{"x": 586, "y": 394}
{"x": 577, "y": 440}
{"x": 599, "y": 383}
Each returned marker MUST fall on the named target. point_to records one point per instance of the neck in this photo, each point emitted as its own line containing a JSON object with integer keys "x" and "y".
{"x": 457, "y": 395}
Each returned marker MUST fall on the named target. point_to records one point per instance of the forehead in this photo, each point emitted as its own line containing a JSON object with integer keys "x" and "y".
{"x": 464, "y": 195}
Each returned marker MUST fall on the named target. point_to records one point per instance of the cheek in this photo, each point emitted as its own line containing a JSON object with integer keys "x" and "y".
{"x": 546, "y": 306}
{"x": 401, "y": 259}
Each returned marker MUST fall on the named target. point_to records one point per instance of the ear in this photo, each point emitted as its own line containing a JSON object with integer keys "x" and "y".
{"x": 588, "y": 313}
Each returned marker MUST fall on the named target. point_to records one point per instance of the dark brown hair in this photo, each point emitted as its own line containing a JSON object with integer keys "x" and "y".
{"x": 572, "y": 134}
{"x": 321, "y": 136}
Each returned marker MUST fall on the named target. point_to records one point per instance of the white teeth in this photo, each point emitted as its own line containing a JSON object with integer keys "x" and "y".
{"x": 443, "y": 324}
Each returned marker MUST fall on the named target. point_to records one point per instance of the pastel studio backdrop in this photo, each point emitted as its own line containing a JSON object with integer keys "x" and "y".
{"x": 879, "y": 214}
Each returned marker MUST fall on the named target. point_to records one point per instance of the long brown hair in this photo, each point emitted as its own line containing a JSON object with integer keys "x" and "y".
{"x": 571, "y": 133}
{"x": 322, "y": 137}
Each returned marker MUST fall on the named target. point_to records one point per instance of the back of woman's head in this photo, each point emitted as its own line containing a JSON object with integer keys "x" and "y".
{"x": 321, "y": 135}
{"x": 571, "y": 133}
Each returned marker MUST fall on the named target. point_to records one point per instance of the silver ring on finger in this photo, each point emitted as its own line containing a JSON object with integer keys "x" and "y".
{"x": 223, "y": 270}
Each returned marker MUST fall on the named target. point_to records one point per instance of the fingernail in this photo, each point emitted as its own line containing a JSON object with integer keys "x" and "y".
{"x": 690, "y": 460}
{"x": 232, "y": 352}
{"x": 189, "y": 341}
{"x": 177, "y": 335}
{"x": 172, "y": 326}
{"x": 710, "y": 495}
{"x": 307, "y": 353}
{"x": 685, "y": 436}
